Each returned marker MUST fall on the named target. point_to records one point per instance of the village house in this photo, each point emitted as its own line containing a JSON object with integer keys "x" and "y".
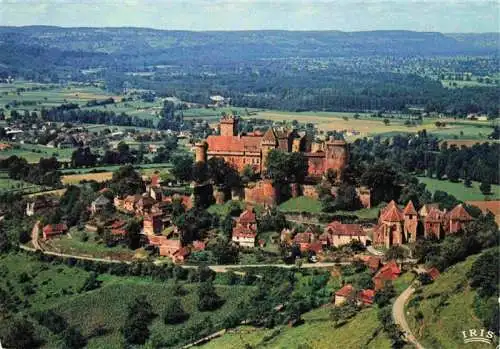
{"x": 245, "y": 230}
{"x": 389, "y": 272}
{"x": 337, "y": 234}
{"x": 51, "y": 230}
{"x": 99, "y": 204}
{"x": 345, "y": 293}
{"x": 304, "y": 240}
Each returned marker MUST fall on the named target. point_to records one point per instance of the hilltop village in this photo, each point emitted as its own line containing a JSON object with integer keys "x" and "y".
{"x": 148, "y": 216}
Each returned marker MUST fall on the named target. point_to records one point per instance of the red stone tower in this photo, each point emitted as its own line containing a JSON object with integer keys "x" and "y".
{"x": 229, "y": 125}
{"x": 336, "y": 156}
{"x": 201, "y": 151}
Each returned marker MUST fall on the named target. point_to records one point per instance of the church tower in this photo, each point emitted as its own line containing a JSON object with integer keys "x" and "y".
{"x": 229, "y": 125}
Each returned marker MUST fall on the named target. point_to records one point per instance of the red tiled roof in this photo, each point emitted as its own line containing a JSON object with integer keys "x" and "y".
{"x": 155, "y": 180}
{"x": 244, "y": 232}
{"x": 367, "y": 296}
{"x": 120, "y": 232}
{"x": 410, "y": 209}
{"x": 303, "y": 237}
{"x": 247, "y": 216}
{"x": 345, "y": 291}
{"x": 233, "y": 143}
{"x": 316, "y": 247}
{"x": 392, "y": 213}
{"x": 337, "y": 228}
{"x": 433, "y": 273}
{"x": 434, "y": 215}
{"x": 51, "y": 229}
{"x": 460, "y": 214}
{"x": 389, "y": 271}
{"x": 269, "y": 136}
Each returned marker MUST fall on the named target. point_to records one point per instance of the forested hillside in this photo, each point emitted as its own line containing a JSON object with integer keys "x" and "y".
{"x": 328, "y": 70}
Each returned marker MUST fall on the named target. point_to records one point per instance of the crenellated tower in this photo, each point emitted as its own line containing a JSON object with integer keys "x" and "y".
{"x": 229, "y": 125}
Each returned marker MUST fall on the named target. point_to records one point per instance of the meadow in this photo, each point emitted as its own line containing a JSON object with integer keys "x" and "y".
{"x": 12, "y": 185}
{"x": 459, "y": 190}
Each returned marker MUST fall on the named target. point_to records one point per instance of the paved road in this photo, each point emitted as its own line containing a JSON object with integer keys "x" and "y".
{"x": 373, "y": 251}
{"x": 398, "y": 314}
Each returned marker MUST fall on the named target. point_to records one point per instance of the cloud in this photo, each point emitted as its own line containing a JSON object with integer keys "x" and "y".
{"x": 347, "y": 15}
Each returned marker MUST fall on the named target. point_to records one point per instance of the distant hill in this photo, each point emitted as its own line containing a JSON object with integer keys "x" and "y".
{"x": 249, "y": 44}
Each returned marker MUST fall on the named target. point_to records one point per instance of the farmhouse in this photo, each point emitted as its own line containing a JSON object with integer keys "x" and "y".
{"x": 337, "y": 234}
{"x": 342, "y": 295}
{"x": 51, "y": 230}
{"x": 389, "y": 272}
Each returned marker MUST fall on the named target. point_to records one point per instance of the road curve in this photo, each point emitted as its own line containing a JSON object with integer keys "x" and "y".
{"x": 398, "y": 314}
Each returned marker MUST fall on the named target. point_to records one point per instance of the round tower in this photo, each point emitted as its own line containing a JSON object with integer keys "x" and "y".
{"x": 201, "y": 151}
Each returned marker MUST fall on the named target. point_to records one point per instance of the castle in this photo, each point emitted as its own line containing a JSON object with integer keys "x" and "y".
{"x": 252, "y": 149}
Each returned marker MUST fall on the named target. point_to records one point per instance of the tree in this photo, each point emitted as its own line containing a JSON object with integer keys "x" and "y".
{"x": 285, "y": 167}
{"x": 386, "y": 122}
{"x": 174, "y": 312}
{"x": 485, "y": 188}
{"x": 126, "y": 181}
{"x": 133, "y": 229}
{"x": 384, "y": 296}
{"x": 20, "y": 334}
{"x": 50, "y": 319}
{"x": 224, "y": 251}
{"x": 396, "y": 252}
{"x": 182, "y": 168}
{"x": 140, "y": 315}
{"x": 381, "y": 178}
{"x": 483, "y": 275}
{"x": 208, "y": 299}
{"x": 468, "y": 182}
{"x": 73, "y": 339}
{"x": 91, "y": 283}
{"x": 200, "y": 172}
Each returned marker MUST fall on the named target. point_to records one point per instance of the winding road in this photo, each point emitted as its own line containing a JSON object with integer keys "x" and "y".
{"x": 398, "y": 314}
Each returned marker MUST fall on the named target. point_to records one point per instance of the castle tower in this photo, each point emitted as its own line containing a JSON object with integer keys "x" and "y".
{"x": 229, "y": 125}
{"x": 411, "y": 222}
{"x": 201, "y": 151}
{"x": 269, "y": 142}
{"x": 336, "y": 156}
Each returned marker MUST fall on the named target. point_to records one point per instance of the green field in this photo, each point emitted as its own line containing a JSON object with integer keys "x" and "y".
{"x": 12, "y": 185}
{"x": 56, "y": 287}
{"x": 317, "y": 332}
{"x": 460, "y": 191}
{"x": 447, "y": 308}
{"x": 33, "y": 152}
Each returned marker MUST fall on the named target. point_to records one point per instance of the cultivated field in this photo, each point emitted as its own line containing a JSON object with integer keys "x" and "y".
{"x": 77, "y": 178}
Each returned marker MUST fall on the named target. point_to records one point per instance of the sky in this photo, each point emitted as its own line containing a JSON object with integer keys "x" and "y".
{"x": 346, "y": 15}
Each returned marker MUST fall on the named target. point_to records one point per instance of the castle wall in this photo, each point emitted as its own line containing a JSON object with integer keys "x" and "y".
{"x": 261, "y": 193}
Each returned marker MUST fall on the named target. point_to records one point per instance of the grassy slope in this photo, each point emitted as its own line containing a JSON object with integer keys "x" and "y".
{"x": 318, "y": 332}
{"x": 105, "y": 306}
{"x": 442, "y": 325}
{"x": 460, "y": 191}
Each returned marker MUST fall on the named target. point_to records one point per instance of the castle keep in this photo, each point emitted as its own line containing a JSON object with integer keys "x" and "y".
{"x": 253, "y": 148}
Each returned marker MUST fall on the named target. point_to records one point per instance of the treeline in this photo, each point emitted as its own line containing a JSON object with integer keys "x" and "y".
{"x": 423, "y": 154}
{"x": 46, "y": 172}
{"x": 70, "y": 113}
